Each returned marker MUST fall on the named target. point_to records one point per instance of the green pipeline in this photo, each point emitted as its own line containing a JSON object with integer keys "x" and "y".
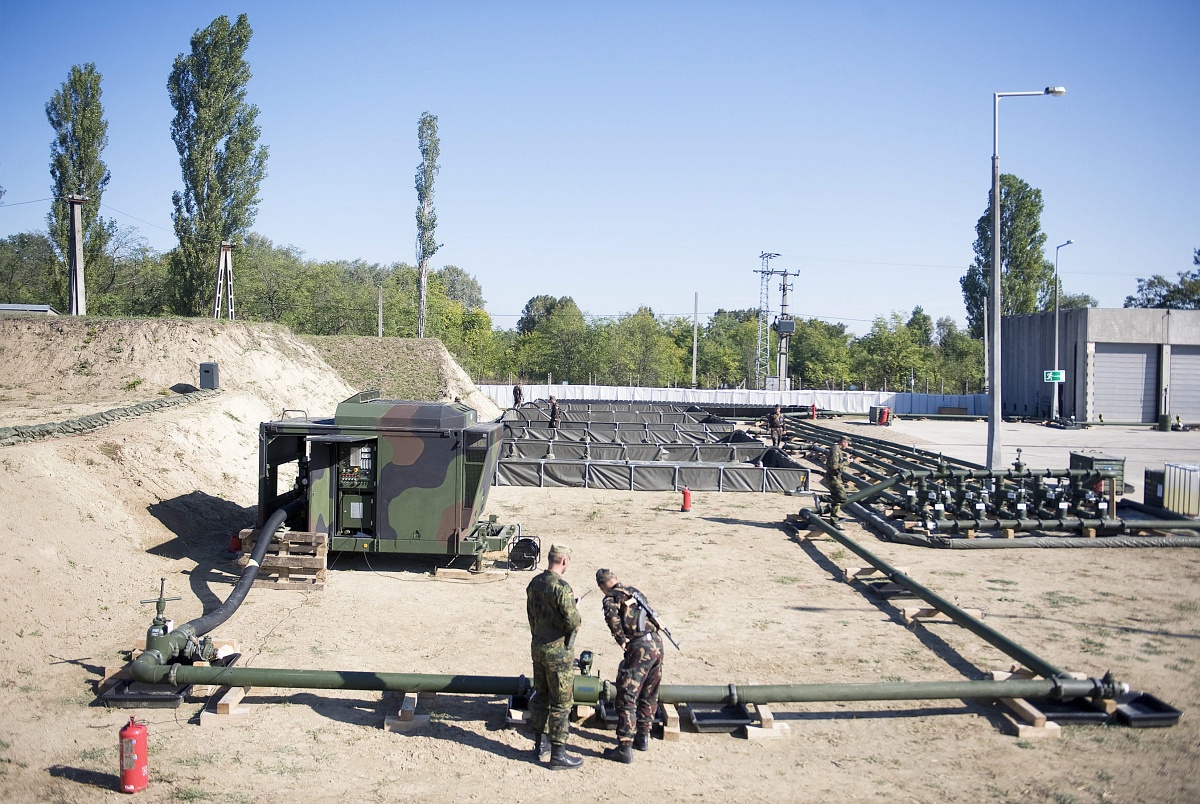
{"x": 955, "y": 613}
{"x": 590, "y": 689}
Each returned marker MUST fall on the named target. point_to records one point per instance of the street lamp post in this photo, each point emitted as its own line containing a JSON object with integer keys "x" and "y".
{"x": 995, "y": 389}
{"x": 1054, "y": 389}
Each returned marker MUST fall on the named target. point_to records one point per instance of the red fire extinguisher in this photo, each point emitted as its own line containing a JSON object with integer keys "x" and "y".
{"x": 814, "y": 411}
{"x": 135, "y": 770}
{"x": 687, "y": 499}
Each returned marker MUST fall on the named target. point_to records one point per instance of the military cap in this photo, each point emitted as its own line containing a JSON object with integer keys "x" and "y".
{"x": 558, "y": 551}
{"x": 603, "y": 576}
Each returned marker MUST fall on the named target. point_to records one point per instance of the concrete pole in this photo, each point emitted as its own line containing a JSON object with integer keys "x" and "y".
{"x": 76, "y": 288}
{"x": 695, "y": 334}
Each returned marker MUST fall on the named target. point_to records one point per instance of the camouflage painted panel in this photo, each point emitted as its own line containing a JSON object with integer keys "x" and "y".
{"x": 404, "y": 415}
{"x": 419, "y": 482}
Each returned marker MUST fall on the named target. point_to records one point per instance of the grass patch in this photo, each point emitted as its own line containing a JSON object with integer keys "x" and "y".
{"x": 787, "y": 580}
{"x": 191, "y": 794}
{"x": 133, "y": 384}
{"x": 1001, "y": 582}
{"x": 1089, "y": 645}
{"x": 232, "y": 416}
{"x": 1057, "y": 600}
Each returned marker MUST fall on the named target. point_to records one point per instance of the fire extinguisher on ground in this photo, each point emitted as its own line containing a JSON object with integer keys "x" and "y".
{"x": 135, "y": 769}
{"x": 687, "y": 499}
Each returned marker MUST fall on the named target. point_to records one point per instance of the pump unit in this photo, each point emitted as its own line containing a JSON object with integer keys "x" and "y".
{"x": 385, "y": 476}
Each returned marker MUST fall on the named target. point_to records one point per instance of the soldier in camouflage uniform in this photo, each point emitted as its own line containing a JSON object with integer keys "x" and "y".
{"x": 555, "y": 414}
{"x": 775, "y": 425}
{"x": 640, "y": 672}
{"x": 518, "y": 395}
{"x": 553, "y": 622}
{"x": 838, "y": 462}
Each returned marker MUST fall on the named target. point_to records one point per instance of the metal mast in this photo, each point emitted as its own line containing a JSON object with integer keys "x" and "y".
{"x": 762, "y": 355}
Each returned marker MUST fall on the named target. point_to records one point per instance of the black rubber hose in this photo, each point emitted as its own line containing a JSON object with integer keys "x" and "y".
{"x": 206, "y": 623}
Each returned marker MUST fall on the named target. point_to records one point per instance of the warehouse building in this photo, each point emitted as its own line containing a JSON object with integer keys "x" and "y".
{"x": 1121, "y": 365}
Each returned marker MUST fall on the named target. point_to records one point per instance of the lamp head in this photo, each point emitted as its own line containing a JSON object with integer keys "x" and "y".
{"x": 1055, "y": 91}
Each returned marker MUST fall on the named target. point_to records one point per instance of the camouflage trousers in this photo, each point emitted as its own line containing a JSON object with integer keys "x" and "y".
{"x": 638, "y": 678}
{"x": 553, "y": 688}
{"x": 837, "y": 494}
{"x": 776, "y": 436}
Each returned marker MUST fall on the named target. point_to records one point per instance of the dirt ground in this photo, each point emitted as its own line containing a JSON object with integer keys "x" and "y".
{"x": 90, "y": 523}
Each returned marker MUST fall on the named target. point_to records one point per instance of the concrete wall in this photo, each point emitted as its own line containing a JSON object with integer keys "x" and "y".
{"x": 1027, "y": 346}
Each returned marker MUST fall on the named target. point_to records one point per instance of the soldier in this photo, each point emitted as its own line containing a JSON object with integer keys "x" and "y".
{"x": 775, "y": 425}
{"x": 838, "y": 462}
{"x": 518, "y": 395}
{"x": 553, "y": 622}
{"x": 554, "y": 413}
{"x": 640, "y": 672}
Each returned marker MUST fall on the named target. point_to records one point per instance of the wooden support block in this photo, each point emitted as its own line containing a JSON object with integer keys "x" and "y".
{"x": 111, "y": 676}
{"x": 1089, "y": 533}
{"x": 671, "y": 725}
{"x": 914, "y": 614}
{"x": 517, "y": 717}
{"x": 199, "y": 691}
{"x": 228, "y": 702}
{"x": 970, "y": 534}
{"x": 1008, "y": 533}
{"x": 776, "y": 732}
{"x": 212, "y": 715}
{"x": 459, "y": 574}
{"x": 1048, "y": 731}
{"x": 1016, "y": 672}
{"x": 394, "y": 724}
{"x": 766, "y": 719}
{"x": 1027, "y": 712}
{"x": 580, "y": 712}
{"x": 409, "y": 706}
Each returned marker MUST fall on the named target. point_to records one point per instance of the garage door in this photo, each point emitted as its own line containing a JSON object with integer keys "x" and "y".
{"x": 1185, "y": 383}
{"x": 1125, "y": 381}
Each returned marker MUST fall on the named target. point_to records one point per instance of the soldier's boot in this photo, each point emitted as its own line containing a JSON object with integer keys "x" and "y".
{"x": 641, "y": 740}
{"x": 623, "y": 752}
{"x": 561, "y": 760}
{"x": 541, "y": 747}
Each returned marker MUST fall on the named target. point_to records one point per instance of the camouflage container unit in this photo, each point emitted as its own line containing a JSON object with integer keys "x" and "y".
{"x": 386, "y": 476}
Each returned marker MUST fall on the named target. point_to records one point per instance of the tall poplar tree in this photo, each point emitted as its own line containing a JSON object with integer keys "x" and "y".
{"x": 1026, "y": 276}
{"x": 80, "y": 136}
{"x": 430, "y": 145}
{"x": 215, "y": 133}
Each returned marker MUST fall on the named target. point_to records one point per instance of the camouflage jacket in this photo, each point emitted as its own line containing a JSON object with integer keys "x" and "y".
{"x": 838, "y": 462}
{"x": 774, "y": 420}
{"x": 626, "y": 618}
{"x": 555, "y": 414}
{"x": 550, "y": 606}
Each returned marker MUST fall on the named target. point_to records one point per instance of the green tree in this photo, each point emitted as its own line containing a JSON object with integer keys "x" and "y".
{"x": 920, "y": 325}
{"x": 130, "y": 279}
{"x": 27, "y": 264}
{"x": 461, "y": 287}
{"x": 959, "y": 359}
{"x": 216, "y": 135}
{"x": 889, "y": 355}
{"x": 267, "y": 281}
{"x": 1026, "y": 277}
{"x": 646, "y": 354}
{"x": 76, "y": 168}
{"x": 1160, "y": 292}
{"x": 556, "y": 344}
{"x": 820, "y": 353}
{"x": 427, "y": 245}
{"x": 537, "y": 309}
{"x": 727, "y": 348}
{"x": 1071, "y": 301}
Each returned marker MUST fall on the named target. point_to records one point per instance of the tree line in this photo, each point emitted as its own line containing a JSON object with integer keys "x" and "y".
{"x": 222, "y": 165}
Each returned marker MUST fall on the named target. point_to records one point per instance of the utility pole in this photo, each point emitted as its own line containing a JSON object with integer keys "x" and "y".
{"x": 785, "y": 326}
{"x": 76, "y": 290}
{"x": 762, "y": 355}
{"x": 695, "y": 334}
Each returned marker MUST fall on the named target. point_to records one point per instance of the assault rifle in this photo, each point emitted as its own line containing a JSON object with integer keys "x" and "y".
{"x": 653, "y": 619}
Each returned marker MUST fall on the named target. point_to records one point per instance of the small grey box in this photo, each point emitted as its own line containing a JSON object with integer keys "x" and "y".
{"x": 210, "y": 376}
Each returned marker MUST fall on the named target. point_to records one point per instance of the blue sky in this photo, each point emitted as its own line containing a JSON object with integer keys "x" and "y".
{"x": 637, "y": 153}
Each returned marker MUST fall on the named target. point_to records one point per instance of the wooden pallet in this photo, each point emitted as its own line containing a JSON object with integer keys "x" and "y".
{"x": 296, "y": 560}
